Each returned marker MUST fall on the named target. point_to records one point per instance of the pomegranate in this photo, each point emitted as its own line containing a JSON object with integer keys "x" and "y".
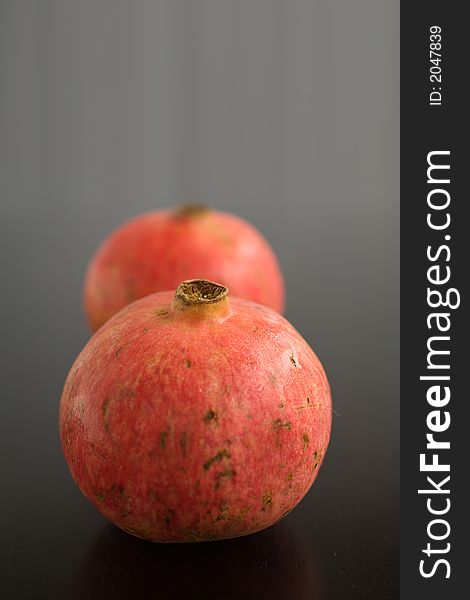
{"x": 192, "y": 416}
{"x": 155, "y": 251}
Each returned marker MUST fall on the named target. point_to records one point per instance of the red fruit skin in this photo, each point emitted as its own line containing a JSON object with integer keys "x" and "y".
{"x": 156, "y": 251}
{"x": 190, "y": 427}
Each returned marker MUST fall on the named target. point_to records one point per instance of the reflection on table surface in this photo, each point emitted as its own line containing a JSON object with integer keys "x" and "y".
{"x": 273, "y": 563}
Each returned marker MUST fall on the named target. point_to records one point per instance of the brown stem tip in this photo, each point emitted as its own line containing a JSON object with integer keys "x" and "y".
{"x": 196, "y": 292}
{"x": 191, "y": 210}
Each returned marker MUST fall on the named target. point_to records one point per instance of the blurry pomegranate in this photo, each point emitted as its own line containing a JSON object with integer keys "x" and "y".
{"x": 155, "y": 251}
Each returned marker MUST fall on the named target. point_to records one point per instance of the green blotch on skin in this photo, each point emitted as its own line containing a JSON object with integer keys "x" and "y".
{"x": 210, "y": 417}
{"x": 293, "y": 360}
{"x": 106, "y": 413}
{"x": 226, "y": 474}
{"x": 268, "y": 499}
{"x": 290, "y": 477}
{"x": 306, "y": 440}
{"x": 117, "y": 492}
{"x": 280, "y": 424}
{"x": 163, "y": 438}
{"x": 184, "y": 442}
{"x": 225, "y": 239}
{"x": 217, "y": 457}
{"x": 100, "y": 496}
{"x": 223, "y": 514}
{"x": 169, "y": 515}
{"x": 317, "y": 458}
{"x": 243, "y": 512}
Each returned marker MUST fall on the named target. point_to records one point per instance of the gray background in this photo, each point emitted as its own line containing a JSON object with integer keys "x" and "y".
{"x": 286, "y": 113}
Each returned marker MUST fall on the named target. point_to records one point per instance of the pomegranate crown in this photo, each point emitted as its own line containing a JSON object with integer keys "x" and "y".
{"x": 200, "y": 291}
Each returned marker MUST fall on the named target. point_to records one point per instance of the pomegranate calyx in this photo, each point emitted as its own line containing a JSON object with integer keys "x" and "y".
{"x": 202, "y": 294}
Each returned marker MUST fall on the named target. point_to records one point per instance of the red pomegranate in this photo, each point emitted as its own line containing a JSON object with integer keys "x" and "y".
{"x": 192, "y": 416}
{"x": 155, "y": 251}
